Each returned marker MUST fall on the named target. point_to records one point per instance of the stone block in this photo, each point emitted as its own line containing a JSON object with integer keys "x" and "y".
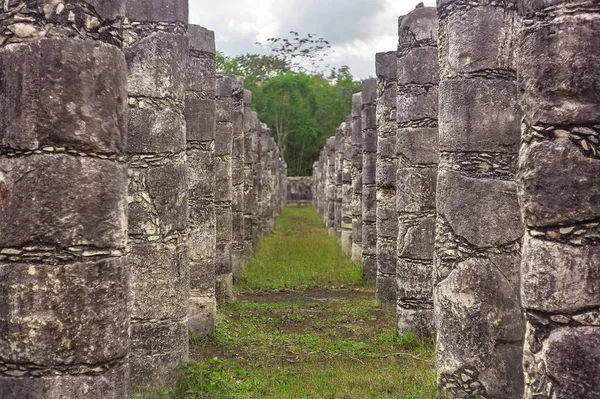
{"x": 415, "y": 241}
{"x": 558, "y": 184}
{"x": 112, "y": 384}
{"x": 203, "y": 315}
{"x": 157, "y": 66}
{"x": 478, "y": 39}
{"x": 356, "y": 105}
{"x": 201, "y": 75}
{"x": 369, "y": 204}
{"x": 223, "y": 140}
{"x": 418, "y": 321}
{"x": 62, "y": 201}
{"x": 224, "y": 218}
{"x": 420, "y": 25}
{"x": 386, "y": 147}
{"x": 201, "y": 174}
{"x": 565, "y": 90}
{"x": 157, "y": 10}
{"x": 369, "y": 168}
{"x": 479, "y": 320}
{"x": 385, "y": 289}
{"x": 63, "y": 93}
{"x": 200, "y": 115}
{"x": 414, "y": 280}
{"x": 386, "y": 174}
{"x": 369, "y": 239}
{"x": 159, "y": 292}
{"x": 466, "y": 123}
{"x": 418, "y": 145}
{"x": 417, "y": 103}
{"x": 155, "y": 131}
{"x": 369, "y": 93}
{"x": 386, "y": 256}
{"x": 573, "y": 361}
{"x": 167, "y": 186}
{"x": 485, "y": 212}
{"x": 416, "y": 189}
{"x": 559, "y": 277}
{"x": 201, "y": 39}
{"x": 64, "y": 315}
{"x": 385, "y": 65}
{"x": 157, "y": 350}
{"x": 387, "y": 221}
{"x": 418, "y": 66}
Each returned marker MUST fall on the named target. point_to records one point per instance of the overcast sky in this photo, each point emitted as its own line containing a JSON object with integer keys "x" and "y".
{"x": 356, "y": 29}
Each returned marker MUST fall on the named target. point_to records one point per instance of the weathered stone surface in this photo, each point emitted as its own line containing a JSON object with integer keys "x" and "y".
{"x": 83, "y": 204}
{"x": 418, "y": 66}
{"x": 84, "y": 303}
{"x": 418, "y": 27}
{"x": 418, "y": 145}
{"x": 491, "y": 48}
{"x": 153, "y": 130}
{"x": 416, "y": 188}
{"x": 164, "y": 52}
{"x": 418, "y": 321}
{"x": 482, "y": 211}
{"x": 201, "y": 40}
{"x": 158, "y": 10}
{"x": 112, "y": 384}
{"x": 549, "y": 198}
{"x": 414, "y": 282}
{"x": 159, "y": 293}
{"x": 573, "y": 362}
{"x": 415, "y": 241}
{"x": 478, "y": 290}
{"x": 385, "y": 289}
{"x": 565, "y": 90}
{"x": 165, "y": 342}
{"x": 416, "y": 104}
{"x": 39, "y": 85}
{"x": 466, "y": 123}
{"x": 200, "y": 118}
{"x": 559, "y": 277}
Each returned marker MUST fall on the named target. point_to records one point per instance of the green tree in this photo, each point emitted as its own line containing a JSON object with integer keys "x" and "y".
{"x": 301, "y": 104}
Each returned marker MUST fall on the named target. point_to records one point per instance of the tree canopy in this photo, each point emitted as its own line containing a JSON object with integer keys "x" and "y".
{"x": 294, "y": 96}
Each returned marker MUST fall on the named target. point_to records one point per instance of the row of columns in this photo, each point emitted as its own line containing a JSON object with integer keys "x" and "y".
{"x": 478, "y": 188}
{"x": 134, "y": 184}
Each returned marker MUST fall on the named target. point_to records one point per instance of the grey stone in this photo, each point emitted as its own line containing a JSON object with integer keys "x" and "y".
{"x": 416, "y": 189}
{"x": 418, "y": 145}
{"x": 158, "y": 10}
{"x": 565, "y": 90}
{"x": 559, "y": 277}
{"x": 484, "y": 212}
{"x": 558, "y": 184}
{"x": 33, "y": 118}
{"x": 466, "y": 123}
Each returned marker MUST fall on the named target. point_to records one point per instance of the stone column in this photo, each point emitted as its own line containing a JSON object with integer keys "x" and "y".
{"x": 156, "y": 48}
{"x": 346, "y": 218}
{"x": 64, "y": 283}
{"x": 200, "y": 124}
{"x": 225, "y": 87}
{"x": 357, "y": 183}
{"x": 387, "y": 218}
{"x": 237, "y": 181}
{"x": 257, "y": 185}
{"x": 339, "y": 182}
{"x": 479, "y": 321}
{"x": 330, "y": 186}
{"x": 417, "y": 150}
{"x": 369, "y": 190}
{"x": 559, "y": 176}
{"x": 250, "y": 138}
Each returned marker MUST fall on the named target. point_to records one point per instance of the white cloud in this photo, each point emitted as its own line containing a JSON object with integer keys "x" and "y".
{"x": 356, "y": 29}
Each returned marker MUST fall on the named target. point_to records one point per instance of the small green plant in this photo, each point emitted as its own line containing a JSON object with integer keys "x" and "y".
{"x": 407, "y": 341}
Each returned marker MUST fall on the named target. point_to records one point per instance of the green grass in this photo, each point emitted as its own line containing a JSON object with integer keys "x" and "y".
{"x": 308, "y": 343}
{"x": 300, "y": 254}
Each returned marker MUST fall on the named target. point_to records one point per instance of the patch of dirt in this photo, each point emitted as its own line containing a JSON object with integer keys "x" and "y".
{"x": 315, "y": 295}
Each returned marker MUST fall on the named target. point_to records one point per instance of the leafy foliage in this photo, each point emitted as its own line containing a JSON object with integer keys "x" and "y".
{"x": 299, "y": 102}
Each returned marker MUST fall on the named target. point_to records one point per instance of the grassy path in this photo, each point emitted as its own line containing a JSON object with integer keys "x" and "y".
{"x": 305, "y": 326}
